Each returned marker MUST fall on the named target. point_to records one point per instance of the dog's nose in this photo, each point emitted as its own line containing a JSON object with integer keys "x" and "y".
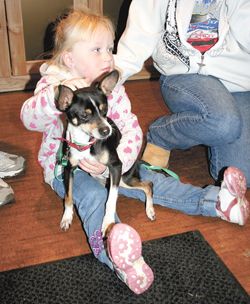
{"x": 104, "y": 131}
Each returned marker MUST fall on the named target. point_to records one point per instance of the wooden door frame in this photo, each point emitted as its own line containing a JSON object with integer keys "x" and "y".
{"x": 5, "y": 67}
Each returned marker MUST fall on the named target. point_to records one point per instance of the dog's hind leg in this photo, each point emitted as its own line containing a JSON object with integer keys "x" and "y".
{"x": 68, "y": 200}
{"x": 146, "y": 187}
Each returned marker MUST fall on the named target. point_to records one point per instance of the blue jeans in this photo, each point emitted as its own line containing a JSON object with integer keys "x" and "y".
{"x": 204, "y": 112}
{"x": 90, "y": 197}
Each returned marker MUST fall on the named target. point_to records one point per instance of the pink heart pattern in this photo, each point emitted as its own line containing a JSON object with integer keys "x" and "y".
{"x": 127, "y": 150}
{"x": 115, "y": 115}
{"x": 135, "y": 124}
{"x": 110, "y": 97}
{"x": 119, "y": 99}
{"x": 52, "y": 146}
{"x": 137, "y": 138}
{"x": 43, "y": 102}
{"x": 52, "y": 166}
{"x": 33, "y": 126}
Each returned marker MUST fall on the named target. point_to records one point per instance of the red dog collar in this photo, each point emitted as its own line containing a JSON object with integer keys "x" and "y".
{"x": 76, "y": 146}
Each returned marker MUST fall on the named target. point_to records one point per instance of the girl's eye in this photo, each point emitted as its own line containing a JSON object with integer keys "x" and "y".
{"x": 97, "y": 50}
{"x": 110, "y": 50}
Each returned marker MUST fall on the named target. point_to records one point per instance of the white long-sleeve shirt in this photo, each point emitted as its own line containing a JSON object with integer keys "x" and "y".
{"x": 145, "y": 36}
{"x": 39, "y": 113}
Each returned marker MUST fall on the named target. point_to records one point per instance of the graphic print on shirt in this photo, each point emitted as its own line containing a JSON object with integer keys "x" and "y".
{"x": 171, "y": 37}
{"x": 203, "y": 29}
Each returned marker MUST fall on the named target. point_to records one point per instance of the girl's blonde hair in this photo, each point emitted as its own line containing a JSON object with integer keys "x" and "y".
{"x": 77, "y": 25}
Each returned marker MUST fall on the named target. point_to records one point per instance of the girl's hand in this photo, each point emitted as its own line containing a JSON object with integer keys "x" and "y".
{"x": 76, "y": 83}
{"x": 91, "y": 166}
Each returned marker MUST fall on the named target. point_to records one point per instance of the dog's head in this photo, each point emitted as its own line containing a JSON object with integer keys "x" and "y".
{"x": 87, "y": 108}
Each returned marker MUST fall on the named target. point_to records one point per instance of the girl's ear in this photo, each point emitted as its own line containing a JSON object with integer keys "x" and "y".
{"x": 64, "y": 99}
{"x": 68, "y": 59}
{"x": 108, "y": 82}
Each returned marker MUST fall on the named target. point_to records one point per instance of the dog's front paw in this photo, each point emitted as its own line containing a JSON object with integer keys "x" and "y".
{"x": 67, "y": 218}
{"x": 150, "y": 211}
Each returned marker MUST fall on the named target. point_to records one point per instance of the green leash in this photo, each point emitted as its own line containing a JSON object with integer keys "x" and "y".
{"x": 156, "y": 168}
{"x": 61, "y": 160}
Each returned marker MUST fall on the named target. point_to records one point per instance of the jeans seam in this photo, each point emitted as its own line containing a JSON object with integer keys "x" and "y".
{"x": 174, "y": 201}
{"x": 189, "y": 93}
{"x": 184, "y": 118}
{"x": 214, "y": 164}
{"x": 192, "y": 94}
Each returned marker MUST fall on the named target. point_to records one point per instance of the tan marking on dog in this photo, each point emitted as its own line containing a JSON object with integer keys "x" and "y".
{"x": 88, "y": 127}
{"x": 104, "y": 157}
{"x": 74, "y": 162}
{"x": 102, "y": 107}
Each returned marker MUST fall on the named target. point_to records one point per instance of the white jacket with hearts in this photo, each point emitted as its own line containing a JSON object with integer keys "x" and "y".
{"x": 145, "y": 36}
{"x": 39, "y": 113}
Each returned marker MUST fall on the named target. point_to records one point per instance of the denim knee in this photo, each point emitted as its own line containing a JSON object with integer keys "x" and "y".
{"x": 227, "y": 126}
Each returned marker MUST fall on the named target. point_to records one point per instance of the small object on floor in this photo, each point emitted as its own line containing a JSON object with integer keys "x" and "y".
{"x": 125, "y": 251}
{"x": 11, "y": 164}
{"x": 6, "y": 193}
{"x": 232, "y": 205}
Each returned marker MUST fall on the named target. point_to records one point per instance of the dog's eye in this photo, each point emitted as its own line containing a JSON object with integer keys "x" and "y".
{"x": 103, "y": 108}
{"x": 86, "y": 114}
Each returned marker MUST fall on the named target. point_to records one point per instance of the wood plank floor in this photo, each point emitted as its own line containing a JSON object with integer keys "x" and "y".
{"x": 30, "y": 232}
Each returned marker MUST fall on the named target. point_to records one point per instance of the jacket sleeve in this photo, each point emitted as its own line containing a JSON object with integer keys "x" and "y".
{"x": 127, "y": 122}
{"x": 239, "y": 19}
{"x": 39, "y": 111}
{"x": 138, "y": 41}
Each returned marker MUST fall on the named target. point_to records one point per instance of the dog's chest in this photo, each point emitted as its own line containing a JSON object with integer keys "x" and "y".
{"x": 76, "y": 136}
{"x": 82, "y": 140}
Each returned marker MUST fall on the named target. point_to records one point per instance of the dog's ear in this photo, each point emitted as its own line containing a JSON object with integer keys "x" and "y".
{"x": 107, "y": 82}
{"x": 64, "y": 99}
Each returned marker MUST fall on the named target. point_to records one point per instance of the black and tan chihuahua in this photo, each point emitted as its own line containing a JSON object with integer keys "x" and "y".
{"x": 90, "y": 133}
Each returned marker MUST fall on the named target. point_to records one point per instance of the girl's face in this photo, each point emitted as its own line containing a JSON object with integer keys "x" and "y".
{"x": 89, "y": 59}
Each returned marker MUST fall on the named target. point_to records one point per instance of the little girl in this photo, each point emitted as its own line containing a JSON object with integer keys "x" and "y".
{"x": 83, "y": 51}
